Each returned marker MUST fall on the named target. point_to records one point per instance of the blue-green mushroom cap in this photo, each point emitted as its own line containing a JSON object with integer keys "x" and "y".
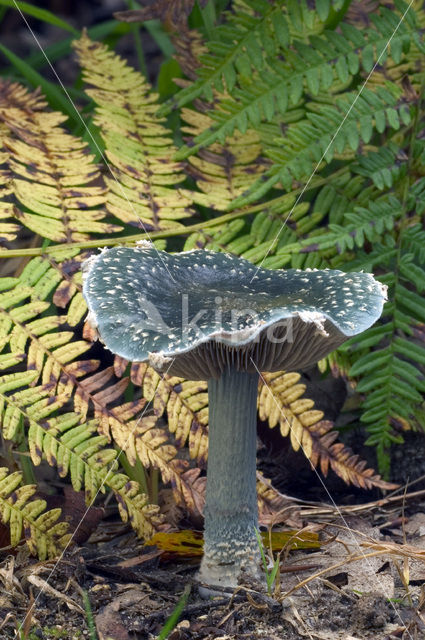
{"x": 192, "y": 314}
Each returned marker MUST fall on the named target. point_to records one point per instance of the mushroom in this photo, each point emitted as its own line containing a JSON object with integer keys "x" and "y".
{"x": 211, "y": 316}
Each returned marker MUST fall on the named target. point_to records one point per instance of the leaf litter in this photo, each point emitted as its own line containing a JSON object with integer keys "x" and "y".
{"x": 365, "y": 580}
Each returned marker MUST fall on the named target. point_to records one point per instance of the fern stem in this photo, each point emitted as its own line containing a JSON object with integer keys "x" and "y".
{"x": 154, "y": 486}
{"x": 231, "y": 514}
{"x": 169, "y": 233}
{"x": 26, "y": 465}
{"x": 135, "y": 30}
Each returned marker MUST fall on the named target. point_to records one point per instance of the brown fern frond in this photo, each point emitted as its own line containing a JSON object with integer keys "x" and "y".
{"x": 273, "y": 507}
{"x": 189, "y": 490}
{"x": 189, "y": 46}
{"x": 172, "y": 12}
{"x": 142, "y": 189}
{"x": 281, "y": 401}
{"x": 335, "y": 455}
{"x": 52, "y": 174}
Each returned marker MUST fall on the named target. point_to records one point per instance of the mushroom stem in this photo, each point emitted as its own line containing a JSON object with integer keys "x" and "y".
{"x": 231, "y": 513}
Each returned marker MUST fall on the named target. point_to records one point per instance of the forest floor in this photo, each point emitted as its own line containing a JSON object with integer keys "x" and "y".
{"x": 365, "y": 581}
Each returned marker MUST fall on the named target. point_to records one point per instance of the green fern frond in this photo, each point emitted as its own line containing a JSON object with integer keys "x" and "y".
{"x": 28, "y": 518}
{"x": 142, "y": 189}
{"x": 237, "y": 47}
{"x": 389, "y": 364}
{"x": 384, "y": 167}
{"x": 309, "y": 141}
{"x": 51, "y": 172}
{"x": 360, "y": 226}
{"x": 257, "y": 33}
{"x": 326, "y": 60}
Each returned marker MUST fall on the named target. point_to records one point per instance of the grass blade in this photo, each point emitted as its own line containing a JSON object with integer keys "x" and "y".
{"x": 41, "y": 14}
{"x": 172, "y": 620}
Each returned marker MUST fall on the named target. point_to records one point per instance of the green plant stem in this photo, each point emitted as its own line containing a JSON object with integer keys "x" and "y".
{"x": 135, "y": 30}
{"x": 91, "y": 625}
{"x": 135, "y": 472}
{"x": 169, "y": 233}
{"x": 154, "y": 486}
{"x": 27, "y": 466}
{"x": 173, "y": 619}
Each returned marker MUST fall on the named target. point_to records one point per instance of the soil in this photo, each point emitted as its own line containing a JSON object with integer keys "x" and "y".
{"x": 371, "y": 585}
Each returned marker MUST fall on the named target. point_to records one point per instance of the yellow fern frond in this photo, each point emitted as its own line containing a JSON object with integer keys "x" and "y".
{"x": 222, "y": 171}
{"x": 138, "y": 146}
{"x": 50, "y": 351}
{"x": 186, "y": 404}
{"x": 74, "y": 447}
{"x": 281, "y": 401}
{"x": 45, "y": 536}
{"x": 50, "y": 172}
{"x": 8, "y": 230}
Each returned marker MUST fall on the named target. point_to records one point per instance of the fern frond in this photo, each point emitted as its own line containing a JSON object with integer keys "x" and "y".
{"x": 142, "y": 187}
{"x": 360, "y": 226}
{"x": 8, "y": 230}
{"x": 257, "y": 33}
{"x": 74, "y": 447}
{"x": 308, "y": 141}
{"x": 47, "y": 350}
{"x": 51, "y": 354}
{"x": 225, "y": 171}
{"x": 186, "y": 404}
{"x": 384, "y": 167}
{"x": 51, "y": 172}
{"x": 326, "y": 60}
{"x": 327, "y": 453}
{"x": 389, "y": 364}
{"x": 281, "y": 402}
{"x": 172, "y": 12}
{"x": 273, "y": 507}
{"x": 27, "y": 517}
{"x": 237, "y": 47}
